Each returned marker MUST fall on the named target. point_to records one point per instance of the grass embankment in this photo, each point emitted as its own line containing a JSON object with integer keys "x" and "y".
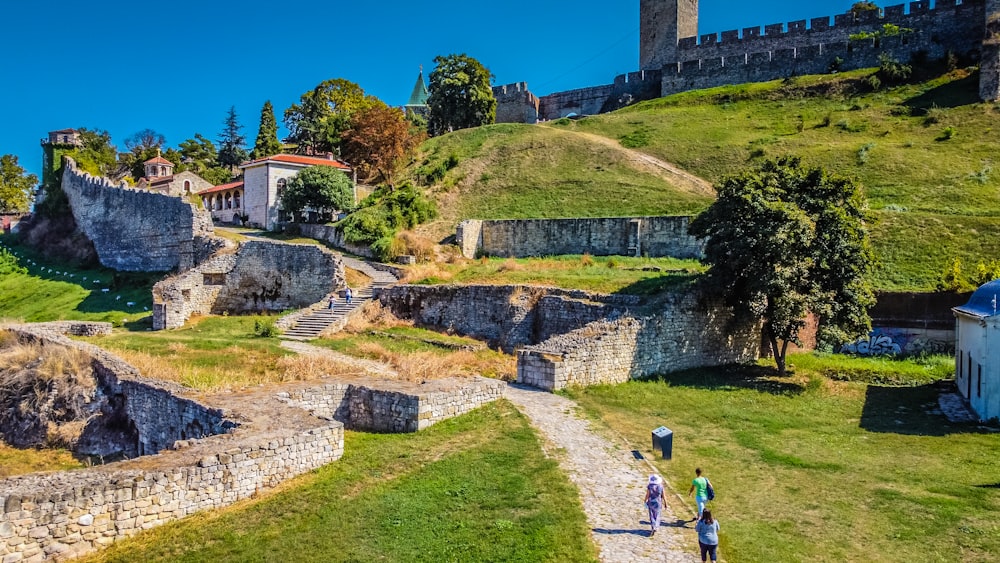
{"x": 807, "y": 468}
{"x": 602, "y": 274}
{"x": 50, "y": 291}
{"x": 474, "y": 488}
{"x": 923, "y": 153}
{"x": 15, "y": 461}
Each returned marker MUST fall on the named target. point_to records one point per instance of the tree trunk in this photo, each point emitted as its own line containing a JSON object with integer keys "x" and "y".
{"x": 778, "y": 353}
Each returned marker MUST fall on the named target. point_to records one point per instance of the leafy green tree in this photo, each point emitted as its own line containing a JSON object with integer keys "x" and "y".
{"x": 460, "y": 95}
{"x": 198, "y": 154}
{"x": 321, "y": 188}
{"x": 140, "y": 146}
{"x": 16, "y": 186}
{"x": 783, "y": 241}
{"x": 858, "y": 7}
{"x": 267, "y": 143}
{"x": 232, "y": 143}
{"x": 317, "y": 123}
{"x": 96, "y": 154}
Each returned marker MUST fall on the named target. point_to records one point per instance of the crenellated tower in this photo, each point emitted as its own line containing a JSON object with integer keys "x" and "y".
{"x": 662, "y": 23}
{"x": 989, "y": 67}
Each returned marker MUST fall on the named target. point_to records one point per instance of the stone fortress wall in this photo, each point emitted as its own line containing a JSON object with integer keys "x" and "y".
{"x": 674, "y": 58}
{"x": 615, "y": 236}
{"x": 259, "y": 276}
{"x": 138, "y": 231}
{"x": 578, "y": 338}
{"x": 212, "y": 450}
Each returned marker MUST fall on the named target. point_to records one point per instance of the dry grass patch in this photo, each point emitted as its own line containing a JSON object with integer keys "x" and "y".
{"x": 309, "y": 367}
{"x": 356, "y": 278}
{"x": 427, "y": 270}
{"x": 373, "y": 315}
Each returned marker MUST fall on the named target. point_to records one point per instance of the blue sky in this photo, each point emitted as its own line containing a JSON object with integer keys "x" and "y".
{"x": 177, "y": 67}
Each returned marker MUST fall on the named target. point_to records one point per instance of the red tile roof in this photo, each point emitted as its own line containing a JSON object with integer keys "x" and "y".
{"x": 158, "y": 160}
{"x": 297, "y": 159}
{"x": 222, "y": 188}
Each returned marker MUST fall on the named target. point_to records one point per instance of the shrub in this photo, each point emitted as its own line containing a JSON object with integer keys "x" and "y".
{"x": 263, "y": 328}
{"x": 864, "y": 151}
{"x": 892, "y": 71}
{"x": 947, "y": 134}
{"x": 586, "y": 260}
{"x": 383, "y": 214}
{"x": 9, "y": 263}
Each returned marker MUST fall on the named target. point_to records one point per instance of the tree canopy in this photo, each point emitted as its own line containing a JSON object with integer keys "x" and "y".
{"x": 96, "y": 154}
{"x": 200, "y": 156}
{"x": 460, "y": 95}
{"x": 321, "y": 188}
{"x": 782, "y": 241}
{"x": 317, "y": 123}
{"x": 378, "y": 140}
{"x": 16, "y": 186}
{"x": 232, "y": 143}
{"x": 267, "y": 143}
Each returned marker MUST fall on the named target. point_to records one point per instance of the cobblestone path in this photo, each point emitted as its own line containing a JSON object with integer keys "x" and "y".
{"x": 611, "y": 482}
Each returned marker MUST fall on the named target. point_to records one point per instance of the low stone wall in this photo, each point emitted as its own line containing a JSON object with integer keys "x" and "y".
{"x": 59, "y": 515}
{"x": 335, "y": 238}
{"x": 259, "y": 276}
{"x": 616, "y": 236}
{"x": 580, "y": 338}
{"x": 138, "y": 231}
{"x": 393, "y": 406}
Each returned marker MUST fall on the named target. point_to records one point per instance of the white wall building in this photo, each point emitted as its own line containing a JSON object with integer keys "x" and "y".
{"x": 977, "y": 350}
{"x": 264, "y": 181}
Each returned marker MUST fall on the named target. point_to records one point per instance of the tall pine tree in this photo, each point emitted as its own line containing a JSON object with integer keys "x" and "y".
{"x": 267, "y": 143}
{"x": 232, "y": 142}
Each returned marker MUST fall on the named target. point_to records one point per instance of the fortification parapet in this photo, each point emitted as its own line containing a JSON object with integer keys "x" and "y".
{"x": 515, "y": 103}
{"x": 135, "y": 230}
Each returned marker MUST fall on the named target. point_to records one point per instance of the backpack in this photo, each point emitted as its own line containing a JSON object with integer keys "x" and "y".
{"x": 710, "y": 490}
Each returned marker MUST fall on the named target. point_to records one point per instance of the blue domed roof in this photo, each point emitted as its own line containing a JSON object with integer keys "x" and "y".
{"x": 984, "y": 302}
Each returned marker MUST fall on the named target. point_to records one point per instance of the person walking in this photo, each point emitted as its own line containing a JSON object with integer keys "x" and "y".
{"x": 348, "y": 295}
{"x": 655, "y": 501}
{"x": 330, "y": 302}
{"x": 699, "y": 486}
{"x": 708, "y": 535}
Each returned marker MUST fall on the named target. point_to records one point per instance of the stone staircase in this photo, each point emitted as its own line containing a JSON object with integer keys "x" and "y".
{"x": 319, "y": 317}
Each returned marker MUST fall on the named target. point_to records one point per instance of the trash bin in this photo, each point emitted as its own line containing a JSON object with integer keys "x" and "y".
{"x": 663, "y": 440}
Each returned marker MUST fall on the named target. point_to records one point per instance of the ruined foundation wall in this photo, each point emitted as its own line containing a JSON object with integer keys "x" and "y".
{"x": 259, "y": 276}
{"x": 138, "y": 231}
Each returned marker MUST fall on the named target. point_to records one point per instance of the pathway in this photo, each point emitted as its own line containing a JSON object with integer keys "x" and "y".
{"x": 319, "y": 316}
{"x": 610, "y": 479}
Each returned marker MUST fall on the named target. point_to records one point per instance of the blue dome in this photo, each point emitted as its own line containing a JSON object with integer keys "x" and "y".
{"x": 984, "y": 302}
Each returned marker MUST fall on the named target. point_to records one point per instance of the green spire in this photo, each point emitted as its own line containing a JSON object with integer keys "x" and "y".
{"x": 419, "y": 96}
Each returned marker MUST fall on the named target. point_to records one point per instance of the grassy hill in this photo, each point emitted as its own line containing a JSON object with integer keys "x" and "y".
{"x": 924, "y": 153}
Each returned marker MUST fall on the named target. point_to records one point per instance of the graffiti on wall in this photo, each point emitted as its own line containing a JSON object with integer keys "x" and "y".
{"x": 893, "y": 342}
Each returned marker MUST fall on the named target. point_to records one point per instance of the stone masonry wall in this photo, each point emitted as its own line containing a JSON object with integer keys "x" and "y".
{"x": 334, "y": 237}
{"x": 259, "y": 276}
{"x": 63, "y": 514}
{"x": 138, "y": 231}
{"x": 506, "y": 316}
{"x": 393, "y": 406}
{"x": 578, "y": 338}
{"x": 620, "y": 236}
{"x": 515, "y": 104}
{"x": 680, "y": 334}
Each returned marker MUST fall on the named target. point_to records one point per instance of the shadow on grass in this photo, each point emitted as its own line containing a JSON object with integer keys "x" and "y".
{"x": 652, "y": 286}
{"x": 953, "y": 94}
{"x": 758, "y": 378}
{"x": 908, "y": 411}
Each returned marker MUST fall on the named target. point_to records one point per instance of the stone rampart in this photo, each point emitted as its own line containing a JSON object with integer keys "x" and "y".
{"x": 619, "y": 236}
{"x": 515, "y": 104}
{"x": 259, "y": 276}
{"x": 626, "y": 89}
{"x": 507, "y": 316}
{"x": 138, "y": 231}
{"x": 680, "y": 334}
{"x": 334, "y": 237}
{"x": 393, "y": 406}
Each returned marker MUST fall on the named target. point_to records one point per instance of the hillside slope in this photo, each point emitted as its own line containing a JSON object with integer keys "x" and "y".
{"x": 923, "y": 152}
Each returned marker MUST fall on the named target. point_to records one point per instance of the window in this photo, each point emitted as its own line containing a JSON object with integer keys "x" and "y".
{"x": 229, "y": 201}
{"x": 187, "y": 186}
{"x": 236, "y": 200}
{"x": 163, "y": 171}
{"x": 281, "y": 186}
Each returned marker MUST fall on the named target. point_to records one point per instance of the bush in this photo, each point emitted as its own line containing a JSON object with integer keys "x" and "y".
{"x": 383, "y": 214}
{"x": 264, "y": 328}
{"x": 947, "y": 134}
{"x": 9, "y": 263}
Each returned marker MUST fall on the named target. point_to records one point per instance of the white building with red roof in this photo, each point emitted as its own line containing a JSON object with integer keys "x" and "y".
{"x": 225, "y": 202}
{"x": 265, "y": 179}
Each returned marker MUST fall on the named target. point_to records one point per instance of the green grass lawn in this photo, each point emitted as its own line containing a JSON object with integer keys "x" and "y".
{"x": 15, "y": 461}
{"x": 474, "y": 488}
{"x": 811, "y": 469}
{"x": 69, "y": 293}
{"x": 923, "y": 153}
{"x": 602, "y": 274}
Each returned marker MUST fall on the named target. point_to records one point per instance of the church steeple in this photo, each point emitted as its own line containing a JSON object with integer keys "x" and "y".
{"x": 418, "y": 98}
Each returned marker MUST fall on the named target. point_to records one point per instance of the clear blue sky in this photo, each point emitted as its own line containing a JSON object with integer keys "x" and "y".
{"x": 177, "y": 67}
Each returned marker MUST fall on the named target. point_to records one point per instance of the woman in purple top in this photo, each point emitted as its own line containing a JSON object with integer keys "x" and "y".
{"x": 654, "y": 502}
